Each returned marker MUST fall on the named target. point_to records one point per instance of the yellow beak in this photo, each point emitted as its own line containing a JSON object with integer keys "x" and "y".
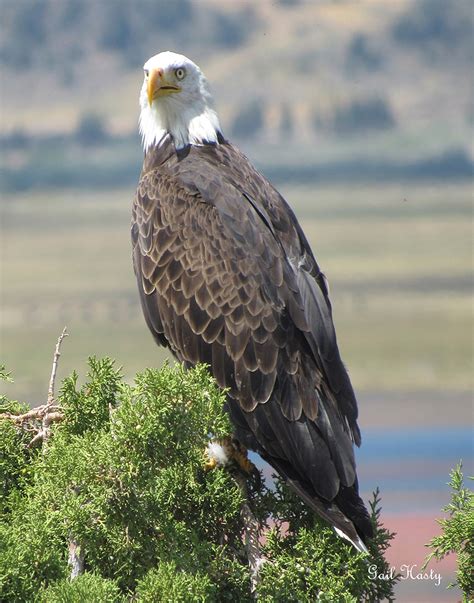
{"x": 158, "y": 86}
{"x": 154, "y": 78}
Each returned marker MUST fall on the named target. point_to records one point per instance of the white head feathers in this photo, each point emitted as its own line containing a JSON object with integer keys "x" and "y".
{"x": 175, "y": 99}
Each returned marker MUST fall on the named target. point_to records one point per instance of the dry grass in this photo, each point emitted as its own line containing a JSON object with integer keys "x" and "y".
{"x": 399, "y": 273}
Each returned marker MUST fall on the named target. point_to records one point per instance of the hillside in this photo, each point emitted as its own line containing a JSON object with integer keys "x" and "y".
{"x": 292, "y": 70}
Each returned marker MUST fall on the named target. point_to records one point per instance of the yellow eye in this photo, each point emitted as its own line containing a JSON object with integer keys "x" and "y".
{"x": 179, "y": 73}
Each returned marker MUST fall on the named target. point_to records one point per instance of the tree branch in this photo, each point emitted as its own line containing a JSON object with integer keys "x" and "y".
{"x": 228, "y": 452}
{"x": 251, "y": 527}
{"x": 57, "y": 354}
{"x": 49, "y": 416}
{"x": 75, "y": 558}
{"x": 46, "y": 413}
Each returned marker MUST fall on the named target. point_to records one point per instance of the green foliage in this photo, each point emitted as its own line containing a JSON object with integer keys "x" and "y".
{"x": 308, "y": 562}
{"x": 89, "y": 408}
{"x": 13, "y": 461}
{"x": 458, "y": 534}
{"x": 14, "y": 455}
{"x": 4, "y": 374}
{"x": 166, "y": 583}
{"x": 123, "y": 476}
{"x": 88, "y": 588}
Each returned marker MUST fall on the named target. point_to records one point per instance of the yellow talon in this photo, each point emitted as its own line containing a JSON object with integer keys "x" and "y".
{"x": 224, "y": 451}
{"x": 243, "y": 462}
{"x": 211, "y": 464}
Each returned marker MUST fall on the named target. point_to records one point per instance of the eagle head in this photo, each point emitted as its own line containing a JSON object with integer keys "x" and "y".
{"x": 175, "y": 99}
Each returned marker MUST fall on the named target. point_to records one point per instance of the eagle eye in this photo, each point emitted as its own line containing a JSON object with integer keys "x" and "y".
{"x": 180, "y": 72}
{"x": 146, "y": 72}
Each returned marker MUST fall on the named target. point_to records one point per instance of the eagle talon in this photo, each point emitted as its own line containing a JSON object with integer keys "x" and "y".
{"x": 240, "y": 456}
{"x": 211, "y": 463}
{"x": 227, "y": 452}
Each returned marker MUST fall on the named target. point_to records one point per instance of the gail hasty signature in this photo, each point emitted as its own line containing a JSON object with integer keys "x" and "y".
{"x": 406, "y": 572}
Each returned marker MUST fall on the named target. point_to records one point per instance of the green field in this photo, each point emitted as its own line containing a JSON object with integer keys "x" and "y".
{"x": 399, "y": 261}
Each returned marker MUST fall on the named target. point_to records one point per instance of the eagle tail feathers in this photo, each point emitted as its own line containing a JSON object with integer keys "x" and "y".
{"x": 358, "y": 543}
{"x": 343, "y": 526}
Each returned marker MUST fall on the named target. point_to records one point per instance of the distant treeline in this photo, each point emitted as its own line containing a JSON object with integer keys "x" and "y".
{"x": 92, "y": 158}
{"x": 448, "y": 165}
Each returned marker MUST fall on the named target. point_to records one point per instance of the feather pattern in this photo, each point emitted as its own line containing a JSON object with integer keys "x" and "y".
{"x": 226, "y": 276}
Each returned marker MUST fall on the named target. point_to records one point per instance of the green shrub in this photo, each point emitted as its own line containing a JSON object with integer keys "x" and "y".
{"x": 458, "y": 534}
{"x": 123, "y": 476}
{"x": 87, "y": 588}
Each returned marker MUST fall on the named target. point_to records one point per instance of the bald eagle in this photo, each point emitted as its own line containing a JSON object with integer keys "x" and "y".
{"x": 226, "y": 277}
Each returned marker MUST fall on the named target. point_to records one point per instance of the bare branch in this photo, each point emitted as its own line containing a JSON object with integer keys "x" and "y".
{"x": 251, "y": 528}
{"x": 38, "y": 420}
{"x": 75, "y": 558}
{"x": 35, "y": 413}
{"x": 39, "y": 437}
{"x": 228, "y": 452}
{"x": 53, "y": 417}
{"x": 47, "y": 419}
{"x": 57, "y": 353}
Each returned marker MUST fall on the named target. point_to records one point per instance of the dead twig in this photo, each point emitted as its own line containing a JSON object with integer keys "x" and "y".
{"x": 57, "y": 354}
{"x": 39, "y": 419}
{"x": 50, "y": 417}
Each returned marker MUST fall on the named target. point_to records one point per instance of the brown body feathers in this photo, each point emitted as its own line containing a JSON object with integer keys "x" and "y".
{"x": 226, "y": 277}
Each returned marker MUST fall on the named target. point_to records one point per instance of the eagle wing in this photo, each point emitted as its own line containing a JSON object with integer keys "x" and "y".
{"x": 227, "y": 278}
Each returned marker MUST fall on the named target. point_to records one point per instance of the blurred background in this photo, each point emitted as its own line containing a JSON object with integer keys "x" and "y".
{"x": 361, "y": 113}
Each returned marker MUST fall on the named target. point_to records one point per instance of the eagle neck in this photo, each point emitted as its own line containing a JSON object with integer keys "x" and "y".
{"x": 195, "y": 125}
